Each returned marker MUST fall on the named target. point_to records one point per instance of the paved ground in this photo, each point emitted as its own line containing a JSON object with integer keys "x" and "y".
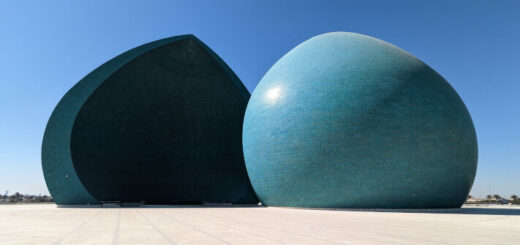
{"x": 46, "y": 224}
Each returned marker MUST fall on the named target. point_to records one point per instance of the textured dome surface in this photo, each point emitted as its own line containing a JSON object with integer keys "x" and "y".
{"x": 160, "y": 123}
{"x": 346, "y": 120}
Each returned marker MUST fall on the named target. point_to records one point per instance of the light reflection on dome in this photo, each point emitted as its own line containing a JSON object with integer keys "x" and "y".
{"x": 273, "y": 94}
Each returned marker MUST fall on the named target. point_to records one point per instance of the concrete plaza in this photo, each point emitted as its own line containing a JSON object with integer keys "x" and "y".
{"x": 47, "y": 224}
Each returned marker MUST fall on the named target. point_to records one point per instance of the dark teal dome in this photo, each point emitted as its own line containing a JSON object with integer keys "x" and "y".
{"x": 347, "y": 120}
{"x": 160, "y": 123}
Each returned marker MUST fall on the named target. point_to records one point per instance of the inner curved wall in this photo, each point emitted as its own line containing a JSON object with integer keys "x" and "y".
{"x": 165, "y": 127}
{"x": 58, "y": 170}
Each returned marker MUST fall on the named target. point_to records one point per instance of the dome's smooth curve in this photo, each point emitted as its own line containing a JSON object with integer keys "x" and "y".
{"x": 347, "y": 120}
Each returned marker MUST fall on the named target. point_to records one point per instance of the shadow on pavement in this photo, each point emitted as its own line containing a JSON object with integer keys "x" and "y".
{"x": 499, "y": 210}
{"x": 464, "y": 210}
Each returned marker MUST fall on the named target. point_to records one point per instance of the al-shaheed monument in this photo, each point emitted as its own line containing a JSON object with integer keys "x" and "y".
{"x": 341, "y": 121}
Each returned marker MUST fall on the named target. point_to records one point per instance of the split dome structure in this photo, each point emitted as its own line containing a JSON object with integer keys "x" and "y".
{"x": 160, "y": 123}
{"x": 341, "y": 121}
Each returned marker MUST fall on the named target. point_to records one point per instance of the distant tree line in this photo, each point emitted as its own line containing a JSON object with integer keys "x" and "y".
{"x": 24, "y": 198}
{"x": 494, "y": 199}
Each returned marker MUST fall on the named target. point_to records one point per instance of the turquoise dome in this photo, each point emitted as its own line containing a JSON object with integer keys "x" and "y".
{"x": 345, "y": 120}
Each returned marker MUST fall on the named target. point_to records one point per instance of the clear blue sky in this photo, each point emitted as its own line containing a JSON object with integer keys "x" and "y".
{"x": 47, "y": 46}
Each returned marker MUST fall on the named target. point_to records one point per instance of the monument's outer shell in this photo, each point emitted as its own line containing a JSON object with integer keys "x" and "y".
{"x": 160, "y": 123}
{"x": 346, "y": 120}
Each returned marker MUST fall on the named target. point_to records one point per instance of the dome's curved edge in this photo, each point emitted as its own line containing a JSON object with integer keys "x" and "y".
{"x": 474, "y": 173}
{"x": 454, "y": 91}
{"x": 60, "y": 176}
{"x": 236, "y": 81}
